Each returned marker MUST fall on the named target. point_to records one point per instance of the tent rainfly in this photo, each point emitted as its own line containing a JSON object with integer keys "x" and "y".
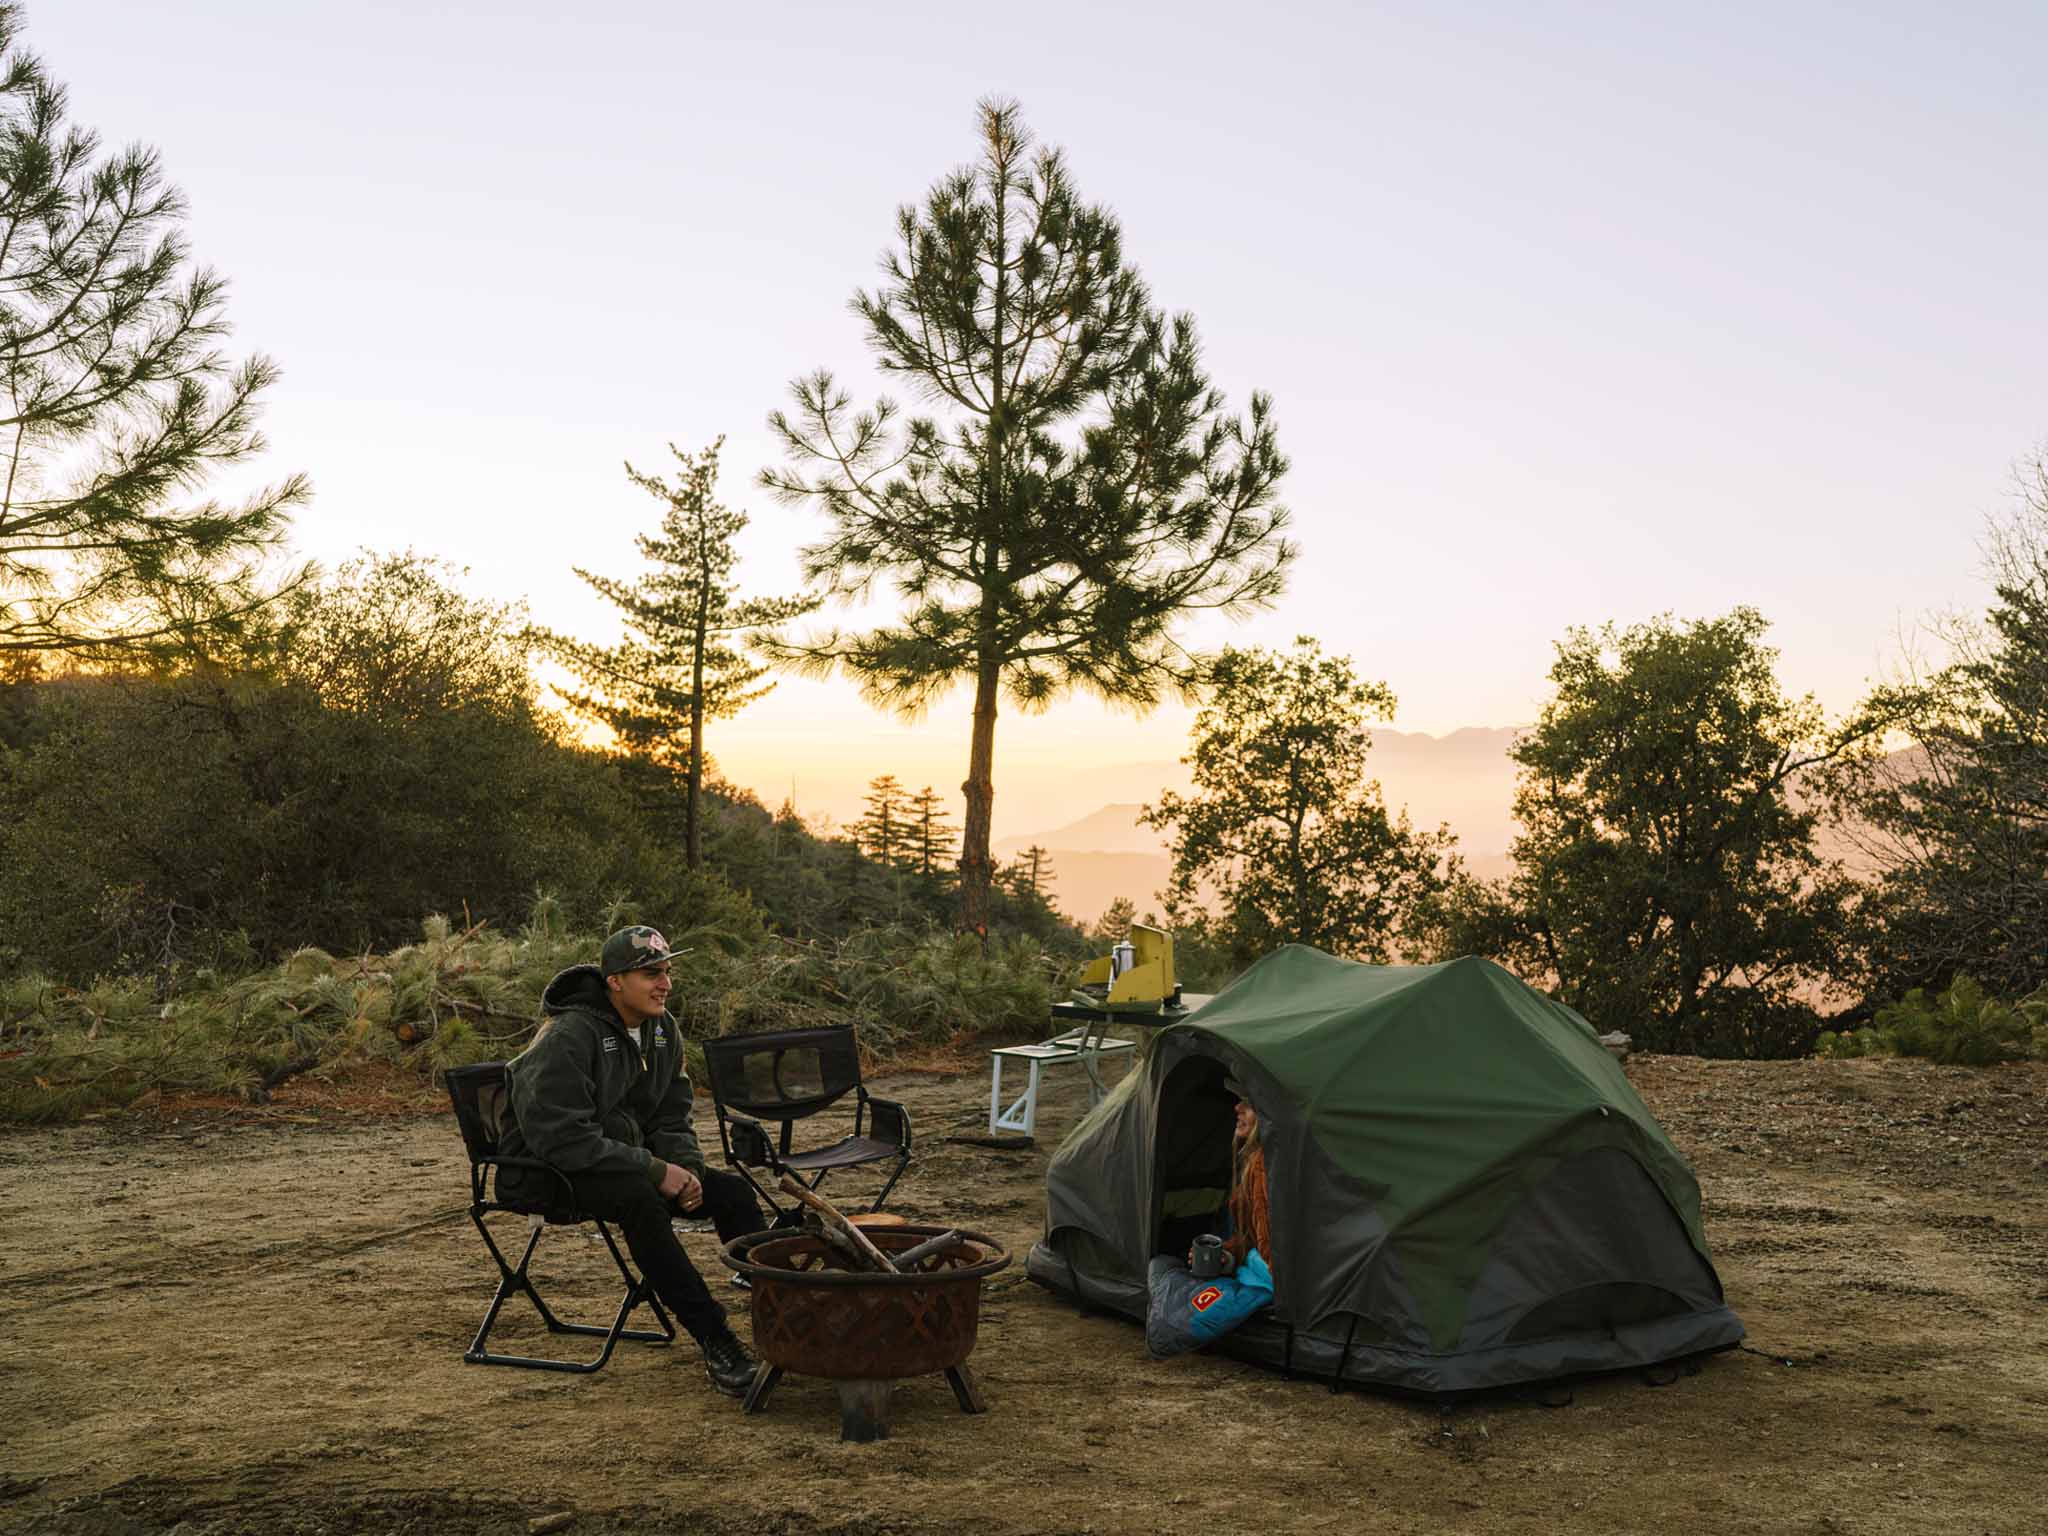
{"x": 1466, "y": 1192}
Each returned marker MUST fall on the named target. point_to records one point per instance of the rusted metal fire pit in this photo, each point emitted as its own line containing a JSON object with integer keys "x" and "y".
{"x": 862, "y": 1330}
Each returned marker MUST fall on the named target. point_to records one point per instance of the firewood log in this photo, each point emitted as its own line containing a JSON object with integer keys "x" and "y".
{"x": 837, "y": 1242}
{"x": 871, "y": 1257}
{"x": 945, "y": 1241}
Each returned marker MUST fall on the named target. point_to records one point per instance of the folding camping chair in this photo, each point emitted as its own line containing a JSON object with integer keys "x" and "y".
{"x": 789, "y": 1075}
{"x": 479, "y": 1096}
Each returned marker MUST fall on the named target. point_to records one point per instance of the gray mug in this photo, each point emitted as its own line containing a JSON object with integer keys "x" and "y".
{"x": 1206, "y": 1262}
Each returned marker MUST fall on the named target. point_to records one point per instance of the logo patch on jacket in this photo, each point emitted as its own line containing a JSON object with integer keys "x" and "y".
{"x": 1207, "y": 1297}
{"x": 660, "y": 1037}
{"x": 611, "y": 1044}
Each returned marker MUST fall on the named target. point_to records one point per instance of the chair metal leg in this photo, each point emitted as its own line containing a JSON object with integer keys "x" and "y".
{"x": 512, "y": 1280}
{"x": 778, "y": 1214}
{"x": 901, "y": 1164}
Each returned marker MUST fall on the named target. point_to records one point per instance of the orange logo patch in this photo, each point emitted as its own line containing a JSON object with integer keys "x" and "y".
{"x": 1207, "y": 1297}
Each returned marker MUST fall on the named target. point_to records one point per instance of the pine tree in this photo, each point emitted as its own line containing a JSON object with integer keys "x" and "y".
{"x": 1084, "y": 493}
{"x": 1957, "y": 828}
{"x": 932, "y": 841}
{"x": 1032, "y": 874}
{"x": 114, "y": 397}
{"x": 886, "y": 833}
{"x": 683, "y": 661}
{"x": 1114, "y": 926}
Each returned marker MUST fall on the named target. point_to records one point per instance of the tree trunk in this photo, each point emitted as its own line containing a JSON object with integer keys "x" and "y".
{"x": 1297, "y": 876}
{"x": 693, "y": 837}
{"x": 976, "y": 869}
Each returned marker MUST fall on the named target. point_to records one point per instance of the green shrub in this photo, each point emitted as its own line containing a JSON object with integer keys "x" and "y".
{"x": 452, "y": 997}
{"x": 1962, "y": 1026}
{"x": 471, "y": 994}
{"x": 1852, "y": 1043}
{"x": 1958, "y": 1027}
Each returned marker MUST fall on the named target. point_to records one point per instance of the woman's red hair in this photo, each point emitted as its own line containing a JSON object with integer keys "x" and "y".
{"x": 1251, "y": 1212}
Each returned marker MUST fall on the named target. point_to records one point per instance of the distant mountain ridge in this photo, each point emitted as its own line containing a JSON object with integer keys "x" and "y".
{"x": 1113, "y": 829}
{"x": 1464, "y": 779}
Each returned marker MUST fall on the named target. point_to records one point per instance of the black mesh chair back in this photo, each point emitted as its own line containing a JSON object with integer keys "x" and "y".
{"x": 481, "y": 1097}
{"x": 482, "y": 1100}
{"x": 787, "y": 1075}
{"x": 784, "y": 1075}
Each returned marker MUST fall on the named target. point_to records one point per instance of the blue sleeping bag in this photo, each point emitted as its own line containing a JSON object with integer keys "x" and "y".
{"x": 1185, "y": 1312}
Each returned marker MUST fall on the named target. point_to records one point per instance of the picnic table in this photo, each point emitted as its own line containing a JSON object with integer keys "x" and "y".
{"x": 1086, "y": 1040}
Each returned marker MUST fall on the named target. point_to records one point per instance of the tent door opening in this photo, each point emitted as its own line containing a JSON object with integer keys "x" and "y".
{"x": 1196, "y": 1118}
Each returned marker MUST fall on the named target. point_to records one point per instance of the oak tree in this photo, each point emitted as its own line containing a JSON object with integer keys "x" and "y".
{"x": 1284, "y": 839}
{"x": 1667, "y": 878}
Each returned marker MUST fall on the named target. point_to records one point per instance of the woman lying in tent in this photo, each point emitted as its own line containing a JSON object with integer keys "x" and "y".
{"x": 1188, "y": 1308}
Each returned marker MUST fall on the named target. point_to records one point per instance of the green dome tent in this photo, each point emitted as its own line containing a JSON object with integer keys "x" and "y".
{"x": 1466, "y": 1192}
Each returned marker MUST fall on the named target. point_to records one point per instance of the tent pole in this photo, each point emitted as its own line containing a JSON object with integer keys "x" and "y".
{"x": 1344, "y": 1359}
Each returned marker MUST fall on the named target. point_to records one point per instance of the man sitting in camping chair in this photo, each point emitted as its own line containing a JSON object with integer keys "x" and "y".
{"x": 601, "y": 1094}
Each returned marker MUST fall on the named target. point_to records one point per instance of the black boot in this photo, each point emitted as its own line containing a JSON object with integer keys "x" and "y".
{"x": 728, "y": 1364}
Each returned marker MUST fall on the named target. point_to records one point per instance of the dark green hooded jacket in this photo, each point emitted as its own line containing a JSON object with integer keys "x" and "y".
{"x": 591, "y": 1096}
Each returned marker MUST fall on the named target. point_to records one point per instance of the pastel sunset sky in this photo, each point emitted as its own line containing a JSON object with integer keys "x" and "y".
{"x": 1571, "y": 312}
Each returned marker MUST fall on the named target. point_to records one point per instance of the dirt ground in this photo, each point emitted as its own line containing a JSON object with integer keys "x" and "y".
{"x": 253, "y": 1321}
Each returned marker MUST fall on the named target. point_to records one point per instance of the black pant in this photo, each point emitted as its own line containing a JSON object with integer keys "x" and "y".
{"x": 644, "y": 1219}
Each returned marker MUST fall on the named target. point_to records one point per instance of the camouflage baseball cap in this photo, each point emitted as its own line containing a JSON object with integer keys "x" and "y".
{"x": 633, "y": 949}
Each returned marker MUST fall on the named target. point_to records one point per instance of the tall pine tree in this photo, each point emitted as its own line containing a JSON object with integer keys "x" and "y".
{"x": 683, "y": 659}
{"x": 1080, "y": 491}
{"x": 116, "y": 400}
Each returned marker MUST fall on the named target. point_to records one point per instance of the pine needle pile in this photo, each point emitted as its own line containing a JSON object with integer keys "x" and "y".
{"x": 463, "y": 994}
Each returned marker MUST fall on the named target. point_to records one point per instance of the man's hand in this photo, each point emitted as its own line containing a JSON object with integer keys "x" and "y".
{"x": 683, "y": 1187}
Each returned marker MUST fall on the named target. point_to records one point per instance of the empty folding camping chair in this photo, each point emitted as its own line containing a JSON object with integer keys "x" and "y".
{"x": 479, "y": 1094}
{"x": 789, "y": 1075}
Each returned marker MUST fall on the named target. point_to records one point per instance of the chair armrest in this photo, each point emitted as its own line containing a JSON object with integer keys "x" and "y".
{"x": 476, "y": 1172}
{"x": 751, "y": 1144}
{"x": 890, "y": 1122}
